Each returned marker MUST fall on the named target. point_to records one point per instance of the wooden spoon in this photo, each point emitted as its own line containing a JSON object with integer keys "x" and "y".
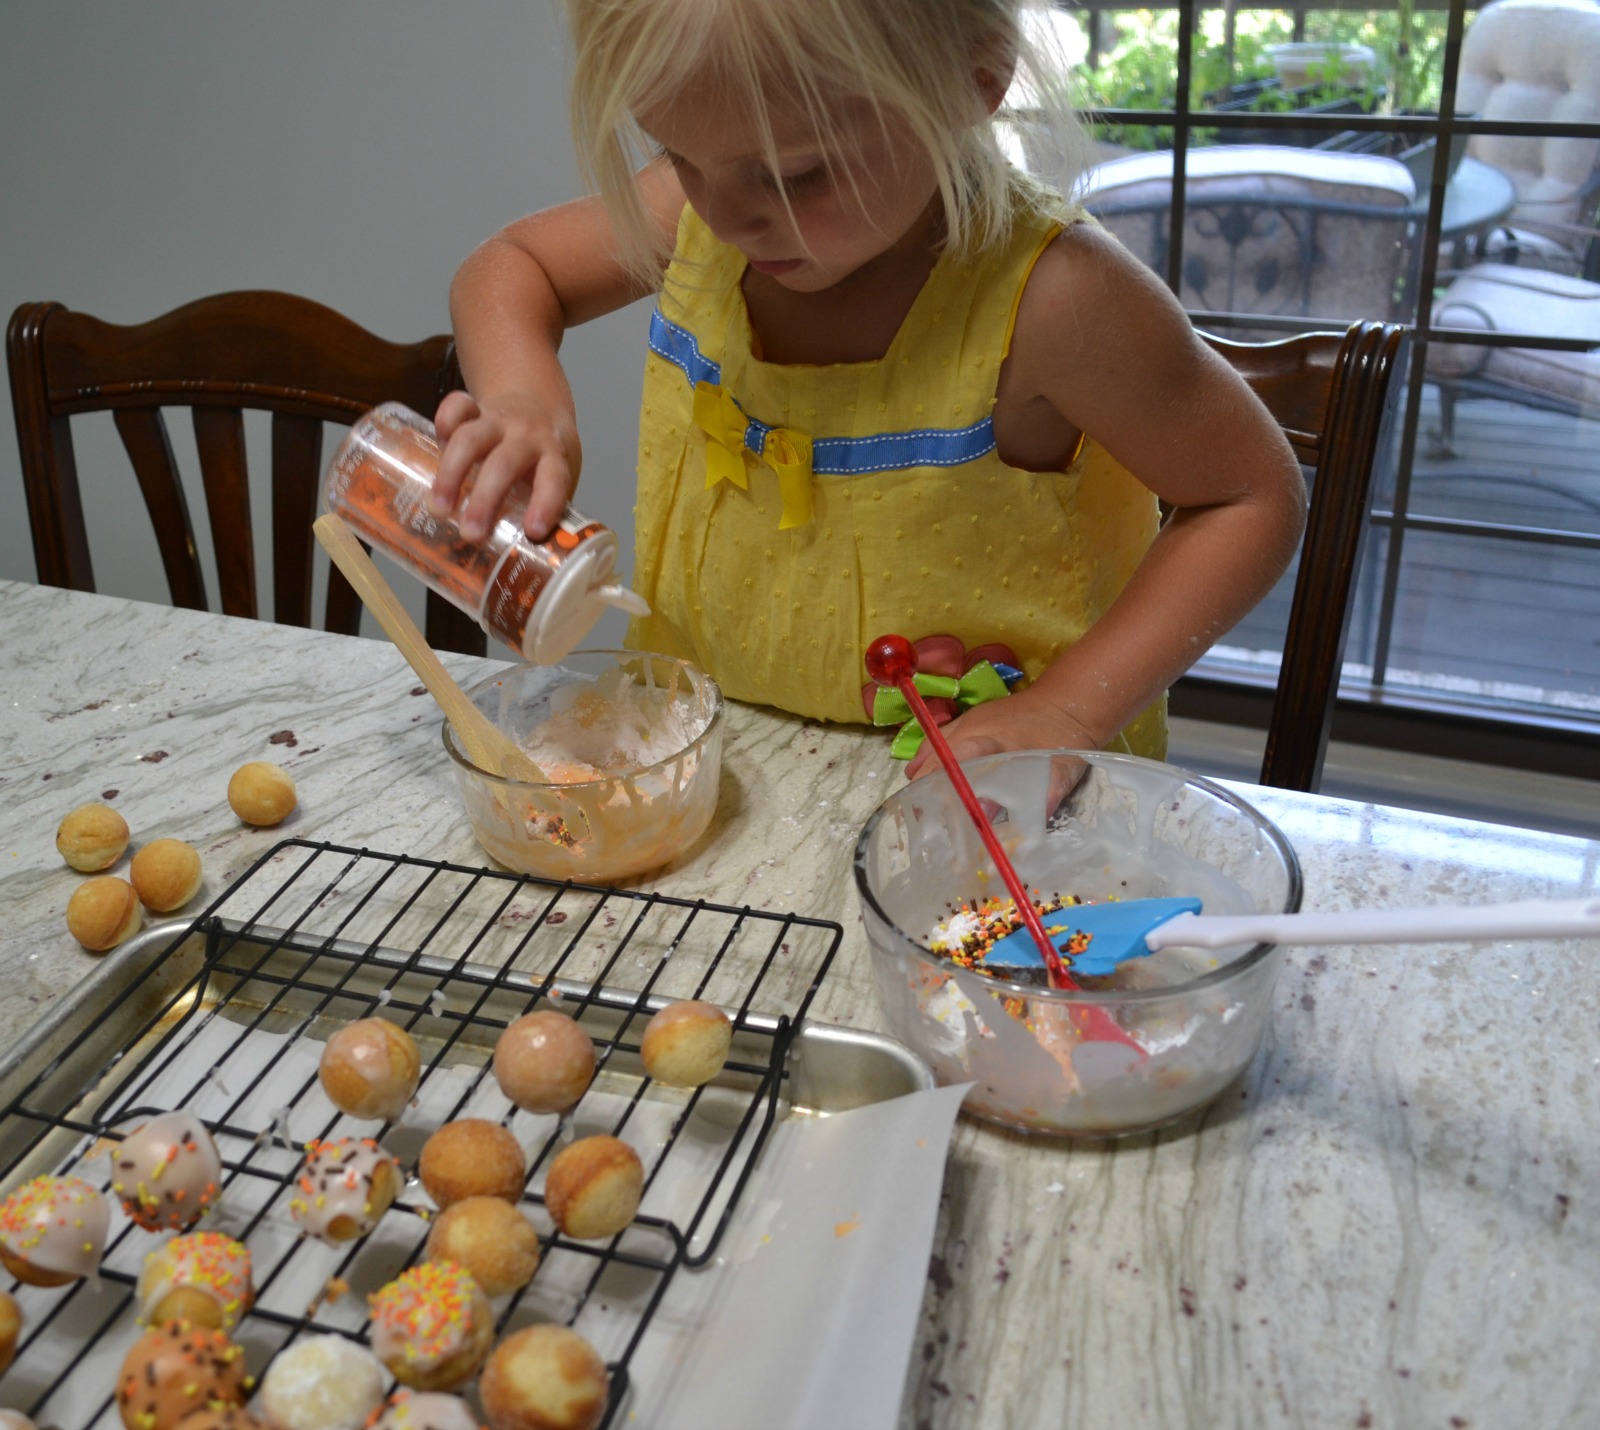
{"x": 486, "y": 745}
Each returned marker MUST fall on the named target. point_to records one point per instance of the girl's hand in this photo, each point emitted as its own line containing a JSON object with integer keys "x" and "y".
{"x": 1025, "y": 720}
{"x": 508, "y": 440}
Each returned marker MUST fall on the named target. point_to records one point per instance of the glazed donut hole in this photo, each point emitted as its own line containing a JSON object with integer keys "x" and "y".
{"x": 544, "y": 1378}
{"x": 102, "y": 912}
{"x": 262, "y": 794}
{"x": 223, "y": 1417}
{"x": 490, "y": 1239}
{"x": 92, "y": 838}
{"x": 432, "y": 1326}
{"x": 370, "y": 1069}
{"x": 544, "y": 1062}
{"x": 176, "y": 1368}
{"x": 423, "y": 1410}
{"x": 322, "y": 1382}
{"x": 204, "y": 1278}
{"x": 165, "y": 874}
{"x": 686, "y": 1043}
{"x": 472, "y": 1157}
{"x": 344, "y": 1188}
{"x": 167, "y": 1172}
{"x": 53, "y": 1231}
{"x": 593, "y": 1188}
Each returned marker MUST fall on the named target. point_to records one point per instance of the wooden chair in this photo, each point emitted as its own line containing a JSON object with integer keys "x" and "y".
{"x": 218, "y": 356}
{"x": 1332, "y": 394}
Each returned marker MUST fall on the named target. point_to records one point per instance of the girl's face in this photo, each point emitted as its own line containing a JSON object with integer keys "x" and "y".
{"x": 810, "y": 222}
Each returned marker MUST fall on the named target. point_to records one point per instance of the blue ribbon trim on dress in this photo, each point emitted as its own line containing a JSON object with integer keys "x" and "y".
{"x": 833, "y": 456}
{"x": 680, "y": 347}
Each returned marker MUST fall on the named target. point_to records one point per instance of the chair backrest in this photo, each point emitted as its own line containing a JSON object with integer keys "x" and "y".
{"x": 1268, "y": 229}
{"x": 1532, "y": 61}
{"x": 1332, "y": 394}
{"x": 218, "y": 356}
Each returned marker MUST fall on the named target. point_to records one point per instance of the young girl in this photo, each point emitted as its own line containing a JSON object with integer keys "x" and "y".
{"x": 891, "y": 385}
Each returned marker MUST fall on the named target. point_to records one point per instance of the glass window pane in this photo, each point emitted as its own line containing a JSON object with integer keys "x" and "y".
{"x": 1130, "y": 60}
{"x": 1497, "y": 622}
{"x": 1506, "y": 463}
{"x": 1292, "y": 215}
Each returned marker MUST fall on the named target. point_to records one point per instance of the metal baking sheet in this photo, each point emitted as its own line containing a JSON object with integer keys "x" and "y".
{"x": 225, "y": 1016}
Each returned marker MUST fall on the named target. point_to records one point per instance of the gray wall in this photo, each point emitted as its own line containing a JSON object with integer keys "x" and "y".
{"x": 350, "y": 150}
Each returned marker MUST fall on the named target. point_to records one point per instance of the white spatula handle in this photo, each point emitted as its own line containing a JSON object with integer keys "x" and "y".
{"x": 1446, "y": 923}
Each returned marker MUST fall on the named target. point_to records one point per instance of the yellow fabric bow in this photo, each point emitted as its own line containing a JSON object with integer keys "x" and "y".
{"x": 783, "y": 449}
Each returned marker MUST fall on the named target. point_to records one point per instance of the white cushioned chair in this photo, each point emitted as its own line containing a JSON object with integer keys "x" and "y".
{"x": 1268, "y": 229}
{"x": 1500, "y": 297}
{"x": 1532, "y": 60}
{"x": 1538, "y": 61}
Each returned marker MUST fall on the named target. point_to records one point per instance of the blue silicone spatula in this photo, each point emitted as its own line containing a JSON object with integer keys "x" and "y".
{"x": 1119, "y": 930}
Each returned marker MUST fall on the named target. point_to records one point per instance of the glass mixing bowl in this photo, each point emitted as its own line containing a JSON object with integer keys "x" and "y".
{"x": 1098, "y": 826}
{"x": 663, "y": 717}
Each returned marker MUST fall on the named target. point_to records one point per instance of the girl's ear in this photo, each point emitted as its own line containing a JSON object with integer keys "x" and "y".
{"x": 997, "y": 64}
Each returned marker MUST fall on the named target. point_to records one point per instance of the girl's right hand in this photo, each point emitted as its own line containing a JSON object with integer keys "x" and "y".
{"x": 508, "y": 440}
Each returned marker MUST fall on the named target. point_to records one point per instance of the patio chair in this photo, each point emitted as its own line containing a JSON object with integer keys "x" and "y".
{"x": 1538, "y": 61}
{"x": 218, "y": 356}
{"x": 1530, "y": 60}
{"x": 1500, "y": 297}
{"x": 1334, "y": 395}
{"x": 1269, "y": 229}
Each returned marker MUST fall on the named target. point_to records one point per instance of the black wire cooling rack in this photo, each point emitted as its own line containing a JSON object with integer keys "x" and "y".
{"x": 228, "y": 1013}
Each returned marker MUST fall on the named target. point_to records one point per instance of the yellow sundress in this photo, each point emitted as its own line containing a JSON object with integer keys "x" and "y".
{"x": 787, "y": 515}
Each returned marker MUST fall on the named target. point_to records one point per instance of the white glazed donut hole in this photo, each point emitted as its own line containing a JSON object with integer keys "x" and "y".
{"x": 344, "y": 1188}
{"x": 425, "y": 1410}
{"x": 53, "y": 1230}
{"x": 322, "y": 1383}
{"x": 686, "y": 1044}
{"x": 370, "y": 1069}
{"x": 204, "y": 1278}
{"x": 544, "y": 1062}
{"x": 431, "y": 1326}
{"x": 167, "y": 1172}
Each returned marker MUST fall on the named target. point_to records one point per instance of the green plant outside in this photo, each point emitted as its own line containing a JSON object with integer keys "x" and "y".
{"x": 1138, "y": 70}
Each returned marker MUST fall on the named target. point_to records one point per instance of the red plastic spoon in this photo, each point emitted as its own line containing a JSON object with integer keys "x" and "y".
{"x": 892, "y": 661}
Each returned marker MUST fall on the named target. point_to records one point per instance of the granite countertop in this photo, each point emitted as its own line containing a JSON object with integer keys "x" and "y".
{"x": 1390, "y": 1221}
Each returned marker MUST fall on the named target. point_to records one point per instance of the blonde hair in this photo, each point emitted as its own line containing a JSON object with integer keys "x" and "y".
{"x": 914, "y": 61}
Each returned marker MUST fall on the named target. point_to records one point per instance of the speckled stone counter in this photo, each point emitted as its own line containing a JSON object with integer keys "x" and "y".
{"x": 1392, "y": 1221}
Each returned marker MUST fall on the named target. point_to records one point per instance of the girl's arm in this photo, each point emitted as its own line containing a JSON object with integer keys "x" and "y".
{"x": 510, "y": 304}
{"x": 1101, "y": 346}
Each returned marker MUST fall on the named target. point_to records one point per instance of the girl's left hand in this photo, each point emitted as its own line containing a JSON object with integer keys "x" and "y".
{"x": 1024, "y": 720}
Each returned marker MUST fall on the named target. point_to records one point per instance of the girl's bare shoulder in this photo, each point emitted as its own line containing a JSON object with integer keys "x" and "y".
{"x": 1090, "y": 304}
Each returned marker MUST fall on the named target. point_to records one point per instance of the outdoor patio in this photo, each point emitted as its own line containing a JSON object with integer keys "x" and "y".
{"x": 1486, "y": 616}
